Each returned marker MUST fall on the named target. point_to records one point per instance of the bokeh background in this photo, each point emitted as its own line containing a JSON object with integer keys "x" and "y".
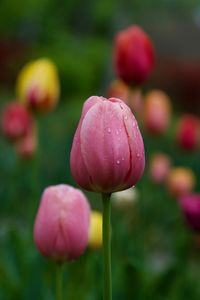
{"x": 155, "y": 256}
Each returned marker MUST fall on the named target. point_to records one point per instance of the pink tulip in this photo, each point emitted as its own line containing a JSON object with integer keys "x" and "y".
{"x": 62, "y": 223}
{"x": 107, "y": 153}
{"x": 26, "y": 146}
{"x": 133, "y": 55}
{"x": 188, "y": 132}
{"x": 16, "y": 121}
{"x": 159, "y": 167}
{"x": 190, "y": 205}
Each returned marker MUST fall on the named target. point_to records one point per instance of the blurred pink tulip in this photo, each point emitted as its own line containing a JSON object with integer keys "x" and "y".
{"x": 156, "y": 112}
{"x": 133, "y": 55}
{"x": 27, "y": 145}
{"x": 107, "y": 153}
{"x": 62, "y": 223}
{"x": 188, "y": 132}
{"x": 16, "y": 121}
{"x": 190, "y": 205}
{"x": 159, "y": 167}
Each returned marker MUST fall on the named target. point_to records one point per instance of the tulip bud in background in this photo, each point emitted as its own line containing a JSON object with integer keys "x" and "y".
{"x": 27, "y": 145}
{"x": 95, "y": 230}
{"x": 131, "y": 96}
{"x": 16, "y": 121}
{"x": 38, "y": 85}
{"x": 125, "y": 199}
{"x": 180, "y": 181}
{"x": 190, "y": 205}
{"x": 107, "y": 153}
{"x": 159, "y": 167}
{"x": 188, "y": 132}
{"x": 133, "y": 55}
{"x": 62, "y": 223}
{"x": 156, "y": 112}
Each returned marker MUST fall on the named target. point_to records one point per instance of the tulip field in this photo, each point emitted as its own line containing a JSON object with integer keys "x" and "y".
{"x": 100, "y": 159}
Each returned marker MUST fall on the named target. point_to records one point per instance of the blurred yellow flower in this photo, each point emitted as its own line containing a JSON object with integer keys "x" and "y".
{"x": 38, "y": 85}
{"x": 95, "y": 230}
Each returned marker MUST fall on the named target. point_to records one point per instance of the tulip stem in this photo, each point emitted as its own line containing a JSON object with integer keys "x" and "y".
{"x": 59, "y": 276}
{"x": 107, "y": 290}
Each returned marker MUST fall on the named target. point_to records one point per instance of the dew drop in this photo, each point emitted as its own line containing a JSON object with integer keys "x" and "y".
{"x": 118, "y": 162}
{"x": 123, "y": 158}
{"x": 138, "y": 155}
{"x": 117, "y": 132}
{"x": 109, "y": 130}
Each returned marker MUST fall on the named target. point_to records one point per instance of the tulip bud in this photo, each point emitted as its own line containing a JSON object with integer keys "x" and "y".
{"x": 27, "y": 145}
{"x": 188, "y": 132}
{"x": 38, "y": 85}
{"x": 133, "y": 55}
{"x": 159, "y": 167}
{"x": 16, "y": 121}
{"x": 125, "y": 199}
{"x": 107, "y": 153}
{"x": 132, "y": 97}
{"x": 157, "y": 112}
{"x": 95, "y": 230}
{"x": 180, "y": 181}
{"x": 62, "y": 223}
{"x": 190, "y": 205}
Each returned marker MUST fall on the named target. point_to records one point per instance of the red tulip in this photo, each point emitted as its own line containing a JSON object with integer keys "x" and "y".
{"x": 16, "y": 121}
{"x": 190, "y": 205}
{"x": 188, "y": 132}
{"x": 133, "y": 55}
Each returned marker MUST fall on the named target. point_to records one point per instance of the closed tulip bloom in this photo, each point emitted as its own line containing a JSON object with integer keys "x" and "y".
{"x": 62, "y": 223}
{"x": 188, "y": 132}
{"x": 180, "y": 181}
{"x": 38, "y": 85}
{"x": 95, "y": 230}
{"x": 133, "y": 55}
{"x": 107, "y": 153}
{"x": 156, "y": 112}
{"x": 16, "y": 121}
{"x": 159, "y": 167}
{"x": 190, "y": 205}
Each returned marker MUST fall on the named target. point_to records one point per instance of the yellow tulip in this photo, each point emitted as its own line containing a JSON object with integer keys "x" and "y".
{"x": 38, "y": 85}
{"x": 95, "y": 230}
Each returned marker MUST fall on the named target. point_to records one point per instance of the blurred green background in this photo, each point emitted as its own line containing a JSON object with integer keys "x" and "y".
{"x": 154, "y": 255}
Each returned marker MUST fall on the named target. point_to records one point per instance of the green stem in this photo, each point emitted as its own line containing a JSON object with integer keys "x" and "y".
{"x": 59, "y": 275}
{"x": 107, "y": 290}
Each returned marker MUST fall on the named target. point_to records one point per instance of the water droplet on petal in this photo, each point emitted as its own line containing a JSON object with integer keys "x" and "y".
{"x": 117, "y": 132}
{"x": 109, "y": 130}
{"x": 123, "y": 158}
{"x": 118, "y": 162}
{"x": 138, "y": 155}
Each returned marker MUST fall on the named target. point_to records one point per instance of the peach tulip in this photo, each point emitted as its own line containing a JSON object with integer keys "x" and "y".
{"x": 180, "y": 180}
{"x": 156, "y": 112}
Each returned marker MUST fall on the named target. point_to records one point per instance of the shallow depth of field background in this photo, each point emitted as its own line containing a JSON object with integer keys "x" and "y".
{"x": 154, "y": 255}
